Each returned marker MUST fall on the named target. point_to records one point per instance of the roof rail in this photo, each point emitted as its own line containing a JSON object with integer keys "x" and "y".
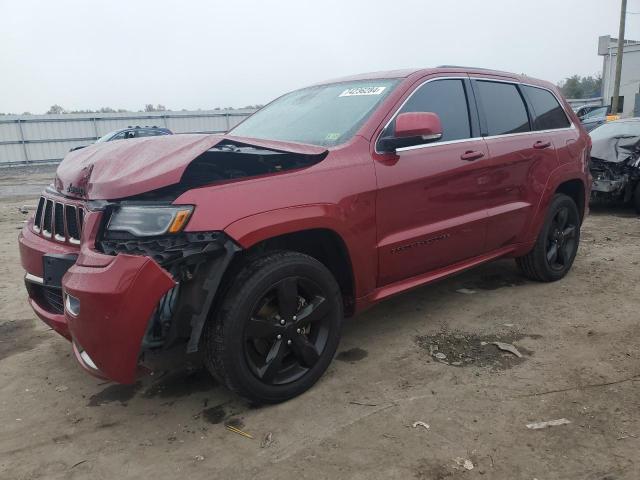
{"x": 466, "y": 67}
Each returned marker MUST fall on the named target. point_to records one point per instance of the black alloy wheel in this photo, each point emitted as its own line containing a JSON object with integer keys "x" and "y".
{"x": 277, "y": 329}
{"x": 557, "y": 244}
{"x": 287, "y": 331}
{"x": 561, "y": 239}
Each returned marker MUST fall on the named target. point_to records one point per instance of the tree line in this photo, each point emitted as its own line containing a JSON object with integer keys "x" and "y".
{"x": 149, "y": 107}
{"x": 582, "y": 87}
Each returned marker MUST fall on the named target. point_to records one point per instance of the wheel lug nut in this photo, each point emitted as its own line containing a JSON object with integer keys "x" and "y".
{"x": 295, "y": 318}
{"x": 282, "y": 322}
{"x": 279, "y": 337}
{"x": 288, "y": 342}
{"x": 298, "y": 331}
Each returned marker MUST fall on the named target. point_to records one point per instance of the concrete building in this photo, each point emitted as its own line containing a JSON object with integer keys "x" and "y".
{"x": 629, "y": 104}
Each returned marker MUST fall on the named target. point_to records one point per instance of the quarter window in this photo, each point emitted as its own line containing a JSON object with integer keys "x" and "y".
{"x": 504, "y": 110}
{"x": 446, "y": 98}
{"x": 548, "y": 112}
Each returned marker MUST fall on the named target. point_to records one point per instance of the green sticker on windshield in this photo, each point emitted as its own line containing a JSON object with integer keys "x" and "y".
{"x": 332, "y": 136}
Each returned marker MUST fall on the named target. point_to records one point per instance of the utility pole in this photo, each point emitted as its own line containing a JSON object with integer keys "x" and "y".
{"x": 616, "y": 84}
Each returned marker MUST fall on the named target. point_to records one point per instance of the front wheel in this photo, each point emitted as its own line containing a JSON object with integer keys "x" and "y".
{"x": 277, "y": 329}
{"x": 555, "y": 249}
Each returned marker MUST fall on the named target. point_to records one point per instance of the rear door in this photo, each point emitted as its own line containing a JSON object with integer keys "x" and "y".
{"x": 518, "y": 160}
{"x": 551, "y": 121}
{"x": 430, "y": 208}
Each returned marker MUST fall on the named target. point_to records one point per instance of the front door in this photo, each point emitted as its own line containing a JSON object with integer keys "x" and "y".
{"x": 430, "y": 208}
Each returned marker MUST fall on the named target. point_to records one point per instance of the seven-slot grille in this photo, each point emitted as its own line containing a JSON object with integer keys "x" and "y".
{"x": 58, "y": 220}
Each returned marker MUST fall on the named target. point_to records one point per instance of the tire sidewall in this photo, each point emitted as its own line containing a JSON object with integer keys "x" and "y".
{"x": 239, "y": 306}
{"x": 559, "y": 201}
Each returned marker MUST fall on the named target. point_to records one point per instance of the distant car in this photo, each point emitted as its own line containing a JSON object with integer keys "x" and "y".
{"x": 615, "y": 161}
{"x": 594, "y": 118}
{"x": 130, "y": 132}
{"x": 585, "y": 109}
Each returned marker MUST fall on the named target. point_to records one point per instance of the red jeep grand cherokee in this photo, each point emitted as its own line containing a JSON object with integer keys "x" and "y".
{"x": 251, "y": 247}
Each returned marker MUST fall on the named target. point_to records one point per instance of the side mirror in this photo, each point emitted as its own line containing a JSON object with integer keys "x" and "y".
{"x": 413, "y": 128}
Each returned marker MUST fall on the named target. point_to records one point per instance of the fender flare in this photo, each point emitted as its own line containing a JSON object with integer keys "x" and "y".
{"x": 558, "y": 176}
{"x": 251, "y": 230}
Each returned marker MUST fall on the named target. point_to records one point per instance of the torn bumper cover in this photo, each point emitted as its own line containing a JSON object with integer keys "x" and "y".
{"x": 114, "y": 306}
{"x": 117, "y": 298}
{"x": 143, "y": 299}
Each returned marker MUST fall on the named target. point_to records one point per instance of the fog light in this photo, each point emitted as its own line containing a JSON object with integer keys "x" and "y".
{"x": 72, "y": 305}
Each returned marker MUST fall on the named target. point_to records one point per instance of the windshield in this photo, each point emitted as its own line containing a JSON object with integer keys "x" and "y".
{"x": 616, "y": 129}
{"x": 324, "y": 115}
{"x": 598, "y": 112}
{"x": 106, "y": 137}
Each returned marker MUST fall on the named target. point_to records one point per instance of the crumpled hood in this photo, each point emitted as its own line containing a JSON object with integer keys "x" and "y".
{"x": 120, "y": 169}
{"x": 615, "y": 149}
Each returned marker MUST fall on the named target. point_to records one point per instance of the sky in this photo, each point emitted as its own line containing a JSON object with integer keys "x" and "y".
{"x": 195, "y": 54}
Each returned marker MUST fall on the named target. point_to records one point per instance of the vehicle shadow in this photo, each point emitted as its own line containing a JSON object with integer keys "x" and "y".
{"x": 614, "y": 208}
{"x": 187, "y": 385}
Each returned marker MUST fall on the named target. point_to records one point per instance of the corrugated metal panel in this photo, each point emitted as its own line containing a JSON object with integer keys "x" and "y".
{"x": 13, "y": 153}
{"x": 37, "y": 138}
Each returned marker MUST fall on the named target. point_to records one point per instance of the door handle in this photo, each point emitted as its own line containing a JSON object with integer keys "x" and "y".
{"x": 471, "y": 155}
{"x": 542, "y": 144}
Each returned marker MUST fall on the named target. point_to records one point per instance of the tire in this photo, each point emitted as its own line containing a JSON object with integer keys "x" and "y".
{"x": 541, "y": 263}
{"x": 636, "y": 198}
{"x": 277, "y": 329}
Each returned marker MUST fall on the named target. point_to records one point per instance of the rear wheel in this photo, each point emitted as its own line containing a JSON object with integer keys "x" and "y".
{"x": 555, "y": 249}
{"x": 277, "y": 329}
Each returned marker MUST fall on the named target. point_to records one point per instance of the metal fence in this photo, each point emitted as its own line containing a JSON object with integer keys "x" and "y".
{"x": 578, "y": 102}
{"x": 47, "y": 138}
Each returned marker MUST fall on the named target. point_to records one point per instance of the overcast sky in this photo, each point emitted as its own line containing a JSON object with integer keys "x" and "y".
{"x": 204, "y": 54}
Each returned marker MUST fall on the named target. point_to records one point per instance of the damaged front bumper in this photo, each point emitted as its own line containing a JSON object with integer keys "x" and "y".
{"x": 116, "y": 303}
{"x": 614, "y": 180}
{"x": 116, "y": 298}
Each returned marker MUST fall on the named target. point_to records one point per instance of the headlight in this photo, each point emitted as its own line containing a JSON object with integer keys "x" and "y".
{"x": 149, "y": 220}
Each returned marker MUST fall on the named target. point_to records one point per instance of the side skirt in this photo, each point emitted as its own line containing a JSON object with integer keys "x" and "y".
{"x": 400, "y": 286}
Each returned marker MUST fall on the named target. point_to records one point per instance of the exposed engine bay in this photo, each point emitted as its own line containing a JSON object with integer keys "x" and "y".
{"x": 615, "y": 164}
{"x": 231, "y": 161}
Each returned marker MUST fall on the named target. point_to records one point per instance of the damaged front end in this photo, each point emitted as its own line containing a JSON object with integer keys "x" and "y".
{"x": 615, "y": 181}
{"x": 615, "y": 161}
{"x": 141, "y": 282}
{"x": 196, "y": 262}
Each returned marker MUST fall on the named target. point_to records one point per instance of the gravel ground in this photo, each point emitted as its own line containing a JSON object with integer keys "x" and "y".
{"x": 578, "y": 341}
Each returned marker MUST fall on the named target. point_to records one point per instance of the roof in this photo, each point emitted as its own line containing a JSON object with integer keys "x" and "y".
{"x": 405, "y": 73}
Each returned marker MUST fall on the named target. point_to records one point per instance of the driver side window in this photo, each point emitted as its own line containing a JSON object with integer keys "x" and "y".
{"x": 448, "y": 99}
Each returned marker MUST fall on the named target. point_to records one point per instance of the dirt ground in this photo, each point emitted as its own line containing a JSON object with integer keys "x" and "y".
{"x": 418, "y": 357}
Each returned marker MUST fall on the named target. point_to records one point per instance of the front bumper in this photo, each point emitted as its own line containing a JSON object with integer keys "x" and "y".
{"x": 116, "y": 304}
{"x": 118, "y": 295}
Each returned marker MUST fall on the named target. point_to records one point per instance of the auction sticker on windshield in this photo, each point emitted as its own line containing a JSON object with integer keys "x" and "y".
{"x": 351, "y": 92}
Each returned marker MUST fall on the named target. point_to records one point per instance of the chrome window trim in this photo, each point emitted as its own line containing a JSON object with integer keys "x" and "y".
{"x": 435, "y": 144}
{"x": 488, "y": 137}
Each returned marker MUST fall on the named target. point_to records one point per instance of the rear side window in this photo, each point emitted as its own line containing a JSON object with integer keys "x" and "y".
{"x": 548, "y": 112}
{"x": 149, "y": 133}
{"x": 447, "y": 98}
{"x": 504, "y": 109}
